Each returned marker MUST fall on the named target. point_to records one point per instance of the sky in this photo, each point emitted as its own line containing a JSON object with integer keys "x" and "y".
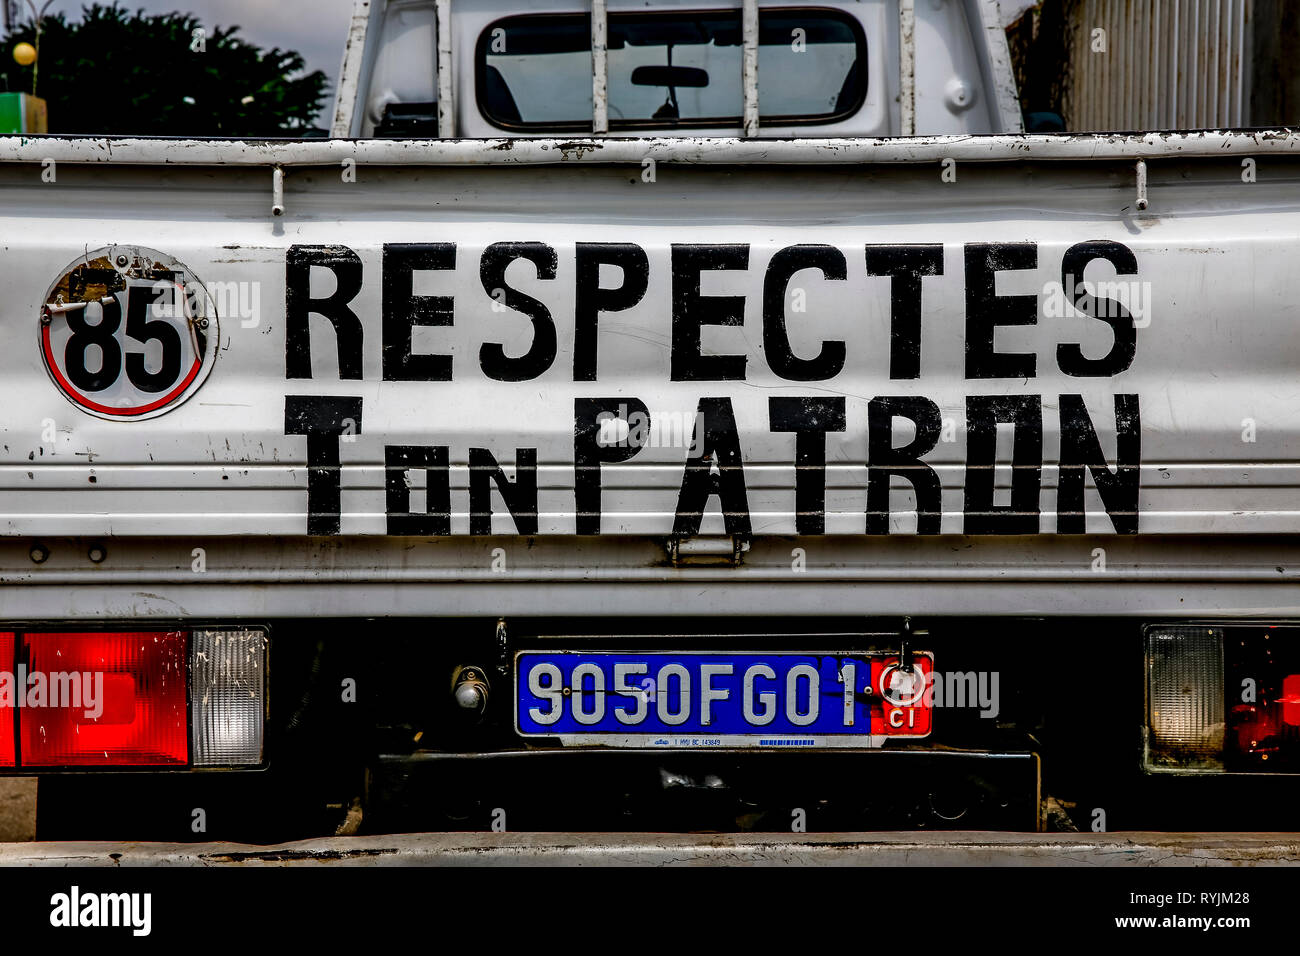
{"x": 315, "y": 28}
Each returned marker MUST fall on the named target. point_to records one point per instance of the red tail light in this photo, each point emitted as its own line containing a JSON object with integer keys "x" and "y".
{"x": 109, "y": 699}
{"x": 1290, "y": 699}
{"x": 124, "y": 699}
{"x": 8, "y": 727}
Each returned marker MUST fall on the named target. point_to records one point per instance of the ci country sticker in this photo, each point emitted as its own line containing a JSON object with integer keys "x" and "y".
{"x": 128, "y": 333}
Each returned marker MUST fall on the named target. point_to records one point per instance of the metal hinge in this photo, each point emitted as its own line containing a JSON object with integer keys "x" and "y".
{"x": 714, "y": 550}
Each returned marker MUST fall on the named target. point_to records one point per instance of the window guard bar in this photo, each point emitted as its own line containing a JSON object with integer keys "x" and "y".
{"x": 599, "y": 68}
{"x": 907, "y": 68}
{"x": 446, "y": 89}
{"x": 749, "y": 65}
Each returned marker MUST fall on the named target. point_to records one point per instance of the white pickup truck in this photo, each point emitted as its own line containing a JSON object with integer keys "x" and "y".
{"x": 653, "y": 416}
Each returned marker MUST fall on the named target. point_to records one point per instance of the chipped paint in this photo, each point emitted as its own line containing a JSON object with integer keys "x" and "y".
{"x": 695, "y": 150}
{"x": 995, "y": 63}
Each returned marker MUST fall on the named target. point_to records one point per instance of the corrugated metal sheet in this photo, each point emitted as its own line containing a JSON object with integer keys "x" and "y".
{"x": 1158, "y": 64}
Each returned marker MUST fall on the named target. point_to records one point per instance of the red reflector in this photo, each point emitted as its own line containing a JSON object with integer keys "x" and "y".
{"x": 1291, "y": 699}
{"x": 7, "y": 697}
{"x": 100, "y": 699}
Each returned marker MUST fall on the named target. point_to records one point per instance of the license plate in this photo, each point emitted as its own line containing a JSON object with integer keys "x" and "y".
{"x": 721, "y": 699}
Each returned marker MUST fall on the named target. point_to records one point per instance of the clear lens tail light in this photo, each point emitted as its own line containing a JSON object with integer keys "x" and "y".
{"x": 228, "y": 683}
{"x": 1185, "y": 698}
{"x": 1223, "y": 699}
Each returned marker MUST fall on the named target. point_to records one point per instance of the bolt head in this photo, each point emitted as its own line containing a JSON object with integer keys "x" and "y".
{"x": 122, "y": 261}
{"x": 39, "y": 553}
{"x": 97, "y": 553}
{"x": 958, "y": 94}
{"x": 470, "y": 696}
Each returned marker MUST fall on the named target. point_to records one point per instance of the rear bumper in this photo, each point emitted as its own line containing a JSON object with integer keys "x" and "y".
{"x": 659, "y": 849}
{"x": 586, "y": 790}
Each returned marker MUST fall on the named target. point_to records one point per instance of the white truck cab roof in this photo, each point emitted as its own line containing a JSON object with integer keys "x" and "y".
{"x": 820, "y": 68}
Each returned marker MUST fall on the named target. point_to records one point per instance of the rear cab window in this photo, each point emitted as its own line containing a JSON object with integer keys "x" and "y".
{"x": 671, "y": 69}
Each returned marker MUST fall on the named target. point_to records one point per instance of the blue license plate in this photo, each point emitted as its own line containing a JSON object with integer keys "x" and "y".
{"x": 723, "y": 699}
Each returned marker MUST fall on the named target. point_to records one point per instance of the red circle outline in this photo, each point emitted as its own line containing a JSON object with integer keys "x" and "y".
{"x": 67, "y": 388}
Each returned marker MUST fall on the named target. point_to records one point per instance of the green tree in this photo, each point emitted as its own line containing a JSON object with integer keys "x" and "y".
{"x": 130, "y": 74}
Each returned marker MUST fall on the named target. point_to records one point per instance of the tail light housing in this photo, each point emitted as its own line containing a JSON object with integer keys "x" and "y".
{"x": 123, "y": 699}
{"x": 1185, "y": 698}
{"x": 1223, "y": 699}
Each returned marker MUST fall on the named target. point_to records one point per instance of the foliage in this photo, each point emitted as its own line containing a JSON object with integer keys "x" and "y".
{"x": 120, "y": 73}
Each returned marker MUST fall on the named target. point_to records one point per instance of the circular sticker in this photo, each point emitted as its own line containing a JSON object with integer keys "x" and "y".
{"x": 910, "y": 687}
{"x": 128, "y": 333}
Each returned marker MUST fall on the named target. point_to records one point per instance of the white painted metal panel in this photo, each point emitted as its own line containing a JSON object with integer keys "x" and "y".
{"x": 1148, "y": 576}
{"x": 1216, "y": 361}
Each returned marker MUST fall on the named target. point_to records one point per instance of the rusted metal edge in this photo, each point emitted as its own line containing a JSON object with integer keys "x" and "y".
{"x": 635, "y": 151}
{"x": 659, "y": 849}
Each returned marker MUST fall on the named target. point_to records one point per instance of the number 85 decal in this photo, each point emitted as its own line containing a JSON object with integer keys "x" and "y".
{"x": 128, "y": 333}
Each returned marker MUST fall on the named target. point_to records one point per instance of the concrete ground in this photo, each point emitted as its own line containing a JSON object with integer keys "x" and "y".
{"x": 17, "y": 809}
{"x": 680, "y": 849}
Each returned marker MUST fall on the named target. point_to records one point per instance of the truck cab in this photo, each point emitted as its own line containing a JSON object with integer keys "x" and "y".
{"x": 525, "y": 68}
